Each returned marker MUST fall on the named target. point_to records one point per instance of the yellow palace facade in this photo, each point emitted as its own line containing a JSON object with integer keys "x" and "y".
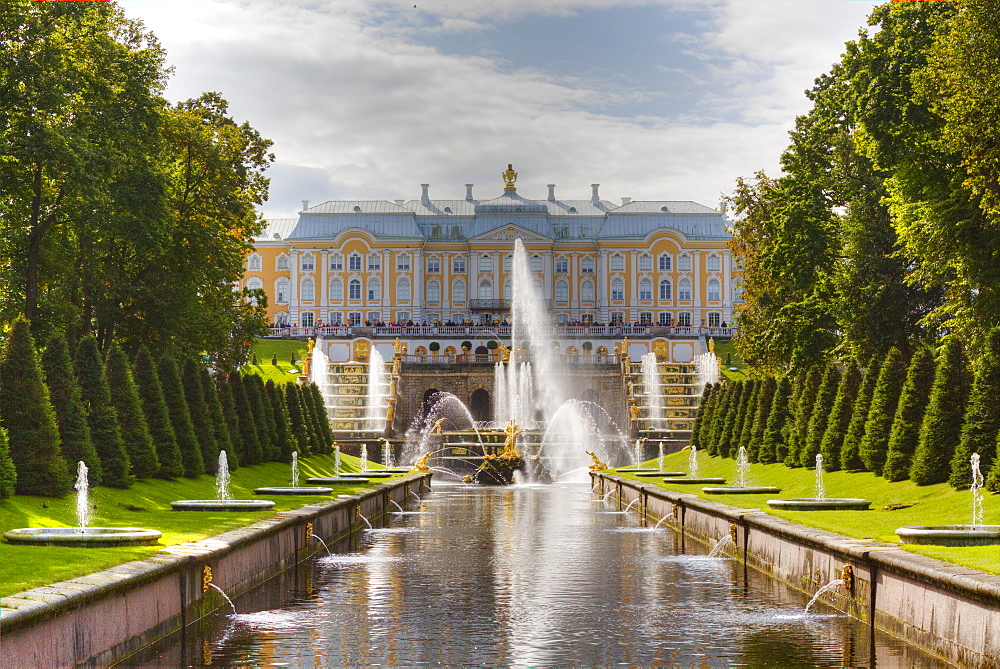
{"x": 659, "y": 263}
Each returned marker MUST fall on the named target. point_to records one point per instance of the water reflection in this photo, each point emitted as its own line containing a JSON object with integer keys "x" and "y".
{"x": 525, "y": 576}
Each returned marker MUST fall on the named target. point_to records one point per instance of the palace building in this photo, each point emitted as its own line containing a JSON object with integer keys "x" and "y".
{"x": 357, "y": 262}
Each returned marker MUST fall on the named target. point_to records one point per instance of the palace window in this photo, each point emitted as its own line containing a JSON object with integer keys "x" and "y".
{"x": 587, "y": 291}
{"x": 458, "y": 292}
{"x": 684, "y": 319}
{"x": 402, "y": 316}
{"x": 507, "y": 260}
{"x": 255, "y": 283}
{"x": 374, "y": 262}
{"x": 403, "y": 290}
{"x": 282, "y": 263}
{"x": 617, "y": 289}
{"x": 308, "y": 262}
{"x": 336, "y": 291}
{"x": 645, "y": 290}
{"x": 403, "y": 262}
{"x": 617, "y": 317}
{"x": 587, "y": 266}
{"x": 684, "y": 263}
{"x": 485, "y": 290}
{"x": 645, "y": 263}
{"x": 374, "y": 290}
{"x": 684, "y": 290}
{"x": 308, "y": 290}
{"x": 281, "y": 291}
{"x": 618, "y": 263}
{"x": 336, "y": 262}
{"x": 354, "y": 318}
{"x": 508, "y": 291}
{"x": 562, "y": 291}
{"x": 536, "y": 263}
{"x": 666, "y": 262}
{"x": 666, "y": 290}
{"x": 254, "y": 263}
{"x": 354, "y": 262}
{"x": 433, "y": 292}
{"x": 458, "y": 265}
{"x": 714, "y": 294}
{"x": 354, "y": 290}
{"x": 562, "y": 266}
{"x": 374, "y": 316}
{"x": 645, "y": 318}
{"x": 307, "y": 319}
{"x": 713, "y": 263}
{"x": 714, "y": 319}
{"x": 665, "y": 318}
{"x": 486, "y": 264}
{"x": 433, "y": 265}
{"x": 335, "y": 318}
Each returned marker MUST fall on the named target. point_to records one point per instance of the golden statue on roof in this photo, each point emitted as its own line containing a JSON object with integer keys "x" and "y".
{"x": 509, "y": 177}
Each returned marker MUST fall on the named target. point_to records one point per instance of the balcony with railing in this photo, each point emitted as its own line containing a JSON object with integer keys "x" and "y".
{"x": 501, "y": 331}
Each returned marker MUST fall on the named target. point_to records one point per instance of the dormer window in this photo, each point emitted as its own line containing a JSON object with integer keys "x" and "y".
{"x": 664, "y": 210}
{"x": 447, "y": 210}
{"x": 357, "y": 209}
{"x": 572, "y": 210}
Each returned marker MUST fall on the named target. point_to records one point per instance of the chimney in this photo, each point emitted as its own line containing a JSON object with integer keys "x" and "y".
{"x": 468, "y": 192}
{"x": 423, "y": 195}
{"x": 305, "y": 204}
{"x": 626, "y": 200}
{"x": 594, "y": 197}
{"x": 399, "y": 203}
{"x": 552, "y": 192}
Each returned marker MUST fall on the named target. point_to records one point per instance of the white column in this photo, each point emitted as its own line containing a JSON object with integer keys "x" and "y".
{"x": 602, "y": 284}
{"x": 418, "y": 285}
{"x": 293, "y": 287}
{"x": 548, "y": 270}
{"x": 497, "y": 274}
{"x": 696, "y": 288}
{"x": 324, "y": 299}
{"x": 633, "y": 275}
{"x": 574, "y": 282}
{"x": 386, "y": 273}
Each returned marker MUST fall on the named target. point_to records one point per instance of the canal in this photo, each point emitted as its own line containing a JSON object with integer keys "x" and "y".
{"x": 525, "y": 575}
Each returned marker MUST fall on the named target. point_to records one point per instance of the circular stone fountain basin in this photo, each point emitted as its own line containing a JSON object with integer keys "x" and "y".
{"x": 218, "y": 505}
{"x": 820, "y": 504}
{"x": 297, "y": 490}
{"x": 336, "y": 480}
{"x": 90, "y": 537}
{"x": 658, "y": 473}
{"x": 694, "y": 481}
{"x": 633, "y": 470}
{"x": 396, "y": 470}
{"x": 380, "y": 474}
{"x": 742, "y": 490}
{"x": 950, "y": 535}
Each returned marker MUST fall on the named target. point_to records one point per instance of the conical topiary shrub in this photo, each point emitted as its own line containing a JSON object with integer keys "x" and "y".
{"x": 942, "y": 422}
{"x": 909, "y": 414}
{"x": 720, "y": 412}
{"x": 285, "y": 439}
{"x": 101, "y": 416}
{"x": 747, "y": 413}
{"x": 154, "y": 407}
{"x": 730, "y": 427}
{"x": 250, "y": 450}
{"x": 135, "y": 431}
{"x": 8, "y": 474}
{"x": 772, "y": 445}
{"x": 885, "y": 399}
{"x": 798, "y": 429}
{"x": 180, "y": 417}
{"x": 198, "y": 409}
{"x": 981, "y": 423}
{"x": 253, "y": 386}
{"x": 70, "y": 412}
{"x": 324, "y": 430}
{"x": 820, "y": 415}
{"x": 704, "y": 418}
{"x": 840, "y": 417}
{"x": 850, "y": 452}
{"x": 300, "y": 426}
{"x": 762, "y": 411}
{"x": 228, "y": 438}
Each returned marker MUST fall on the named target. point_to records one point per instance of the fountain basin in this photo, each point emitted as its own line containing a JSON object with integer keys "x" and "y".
{"x": 657, "y": 473}
{"x": 90, "y": 537}
{"x": 950, "y": 535}
{"x": 380, "y": 474}
{"x": 337, "y": 480}
{"x": 633, "y": 470}
{"x": 742, "y": 490}
{"x": 396, "y": 470}
{"x": 297, "y": 490}
{"x": 219, "y": 505}
{"x": 820, "y": 504}
{"x": 694, "y": 481}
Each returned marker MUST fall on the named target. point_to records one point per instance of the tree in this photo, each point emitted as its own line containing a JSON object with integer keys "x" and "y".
{"x": 704, "y": 416}
{"x": 27, "y": 416}
{"x": 249, "y": 442}
{"x": 943, "y": 418}
{"x": 200, "y": 419}
{"x": 850, "y": 453}
{"x": 180, "y": 417}
{"x": 135, "y": 431}
{"x": 8, "y": 473}
{"x": 840, "y": 416}
{"x": 720, "y": 416}
{"x": 70, "y": 412}
{"x": 263, "y": 419}
{"x": 293, "y": 401}
{"x": 747, "y": 413}
{"x": 227, "y": 409}
{"x": 765, "y": 398}
{"x": 981, "y": 423}
{"x": 885, "y": 398}
{"x": 909, "y": 414}
{"x": 285, "y": 441}
{"x": 726, "y": 440}
{"x": 772, "y": 447}
{"x": 102, "y": 417}
{"x": 798, "y": 429}
{"x": 161, "y": 430}
{"x": 322, "y": 421}
{"x": 820, "y": 416}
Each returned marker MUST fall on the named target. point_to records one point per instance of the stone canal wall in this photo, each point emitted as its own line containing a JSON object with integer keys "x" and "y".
{"x": 949, "y": 611}
{"x": 97, "y": 618}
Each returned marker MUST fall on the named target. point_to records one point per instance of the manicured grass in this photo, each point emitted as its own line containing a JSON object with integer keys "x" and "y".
{"x": 931, "y": 505}
{"x": 283, "y": 348}
{"x": 146, "y": 504}
{"x": 726, "y": 348}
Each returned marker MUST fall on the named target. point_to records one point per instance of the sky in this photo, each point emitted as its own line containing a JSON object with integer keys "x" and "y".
{"x": 368, "y": 99}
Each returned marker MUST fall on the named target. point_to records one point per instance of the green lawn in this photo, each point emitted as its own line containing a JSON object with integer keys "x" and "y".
{"x": 726, "y": 348}
{"x": 264, "y": 349}
{"x": 145, "y": 504}
{"x": 931, "y": 505}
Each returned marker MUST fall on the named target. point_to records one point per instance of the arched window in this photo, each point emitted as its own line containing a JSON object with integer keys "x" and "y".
{"x": 336, "y": 262}
{"x": 562, "y": 291}
{"x": 281, "y": 291}
{"x": 308, "y": 262}
{"x": 665, "y": 262}
{"x": 433, "y": 292}
{"x": 562, "y": 265}
{"x": 308, "y": 290}
{"x": 354, "y": 289}
{"x": 714, "y": 319}
{"x": 713, "y": 264}
{"x": 684, "y": 290}
{"x": 403, "y": 290}
{"x": 335, "y": 317}
{"x": 714, "y": 294}
{"x": 645, "y": 290}
{"x": 645, "y": 263}
{"x": 254, "y": 263}
{"x": 307, "y": 319}
{"x": 587, "y": 291}
{"x": 665, "y": 318}
{"x": 374, "y": 289}
{"x": 255, "y": 283}
{"x": 617, "y": 262}
{"x": 684, "y": 264}
{"x": 458, "y": 291}
{"x": 336, "y": 291}
{"x": 282, "y": 263}
{"x": 354, "y": 262}
{"x": 684, "y": 319}
{"x": 617, "y": 289}
{"x": 666, "y": 290}
{"x": 485, "y": 289}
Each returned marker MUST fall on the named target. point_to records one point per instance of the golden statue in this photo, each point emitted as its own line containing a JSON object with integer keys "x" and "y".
{"x": 634, "y": 411}
{"x": 390, "y": 411}
{"x": 397, "y": 346}
{"x": 711, "y": 344}
{"x": 395, "y": 366}
{"x": 598, "y": 465}
{"x": 438, "y": 426}
{"x": 509, "y": 178}
{"x": 504, "y": 353}
{"x": 421, "y": 464}
{"x": 510, "y": 443}
{"x": 307, "y": 362}
{"x": 631, "y": 389}
{"x": 392, "y": 389}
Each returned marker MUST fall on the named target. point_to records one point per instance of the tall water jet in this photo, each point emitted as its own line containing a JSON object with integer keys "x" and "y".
{"x": 693, "y": 461}
{"x": 222, "y": 478}
{"x": 364, "y": 457}
{"x": 82, "y": 487}
{"x": 977, "y": 490}
{"x": 319, "y": 372}
{"x": 707, "y": 368}
{"x": 651, "y": 389}
{"x": 336, "y": 460}
{"x": 295, "y": 469}
{"x": 742, "y": 484}
{"x": 659, "y": 458}
{"x": 820, "y": 487}
{"x": 377, "y": 398}
{"x": 386, "y": 454}
{"x": 742, "y": 468}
